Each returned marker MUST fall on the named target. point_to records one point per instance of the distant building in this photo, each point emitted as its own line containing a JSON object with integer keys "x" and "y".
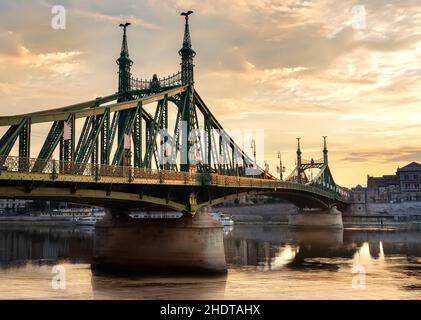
{"x": 410, "y": 181}
{"x": 405, "y": 185}
{"x": 359, "y": 194}
{"x": 383, "y": 189}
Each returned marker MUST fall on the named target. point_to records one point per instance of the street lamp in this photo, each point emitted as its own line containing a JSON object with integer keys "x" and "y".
{"x": 253, "y": 147}
{"x": 281, "y": 169}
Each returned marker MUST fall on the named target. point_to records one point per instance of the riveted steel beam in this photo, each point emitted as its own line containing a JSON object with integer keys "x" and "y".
{"x": 89, "y": 111}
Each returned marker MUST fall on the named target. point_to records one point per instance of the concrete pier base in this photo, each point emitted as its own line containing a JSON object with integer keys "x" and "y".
{"x": 317, "y": 219}
{"x": 188, "y": 244}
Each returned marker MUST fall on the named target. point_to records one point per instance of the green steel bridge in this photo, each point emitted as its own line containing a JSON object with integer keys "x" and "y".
{"x": 126, "y": 157}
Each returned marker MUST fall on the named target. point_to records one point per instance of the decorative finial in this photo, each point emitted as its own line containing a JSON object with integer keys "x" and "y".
{"x": 125, "y": 25}
{"x": 186, "y": 14}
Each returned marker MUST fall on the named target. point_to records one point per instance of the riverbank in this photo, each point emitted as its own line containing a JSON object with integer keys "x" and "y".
{"x": 375, "y": 214}
{"x": 39, "y": 221}
{"x": 245, "y": 220}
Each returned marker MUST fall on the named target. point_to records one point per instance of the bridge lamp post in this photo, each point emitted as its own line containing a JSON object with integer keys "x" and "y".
{"x": 253, "y": 147}
{"x": 281, "y": 168}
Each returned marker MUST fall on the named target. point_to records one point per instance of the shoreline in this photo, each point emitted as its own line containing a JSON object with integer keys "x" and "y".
{"x": 348, "y": 222}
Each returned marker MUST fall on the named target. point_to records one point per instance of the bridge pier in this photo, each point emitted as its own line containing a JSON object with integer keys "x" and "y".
{"x": 188, "y": 244}
{"x": 319, "y": 219}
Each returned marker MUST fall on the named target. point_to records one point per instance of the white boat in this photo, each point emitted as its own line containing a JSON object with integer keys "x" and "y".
{"x": 87, "y": 221}
{"x": 223, "y": 219}
{"x": 98, "y": 212}
{"x": 96, "y": 215}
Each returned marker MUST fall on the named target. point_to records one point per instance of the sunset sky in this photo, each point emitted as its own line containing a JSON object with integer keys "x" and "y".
{"x": 295, "y": 68}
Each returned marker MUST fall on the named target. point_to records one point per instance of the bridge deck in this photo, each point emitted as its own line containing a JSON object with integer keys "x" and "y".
{"x": 62, "y": 172}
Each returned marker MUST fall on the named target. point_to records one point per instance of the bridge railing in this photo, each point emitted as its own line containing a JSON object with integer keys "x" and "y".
{"x": 142, "y": 84}
{"x": 56, "y": 168}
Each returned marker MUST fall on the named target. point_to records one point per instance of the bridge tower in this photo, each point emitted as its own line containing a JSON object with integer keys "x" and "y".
{"x": 124, "y": 86}
{"x": 187, "y": 53}
{"x": 325, "y": 158}
{"x": 187, "y": 103}
{"x": 299, "y": 170}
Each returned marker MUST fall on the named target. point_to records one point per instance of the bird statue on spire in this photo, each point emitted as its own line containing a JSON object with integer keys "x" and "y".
{"x": 186, "y": 14}
{"x": 187, "y": 53}
{"x": 125, "y": 25}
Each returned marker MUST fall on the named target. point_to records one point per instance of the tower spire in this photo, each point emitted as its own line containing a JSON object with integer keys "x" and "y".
{"x": 325, "y": 158}
{"x": 187, "y": 53}
{"x": 298, "y": 148}
{"x": 298, "y": 160}
{"x": 124, "y": 63}
{"x": 124, "y": 87}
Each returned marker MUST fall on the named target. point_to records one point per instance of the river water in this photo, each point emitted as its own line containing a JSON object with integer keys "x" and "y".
{"x": 263, "y": 263}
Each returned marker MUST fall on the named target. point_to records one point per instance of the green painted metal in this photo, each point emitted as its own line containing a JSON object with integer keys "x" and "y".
{"x": 67, "y": 147}
{"x": 89, "y": 148}
{"x": 163, "y": 127}
{"x": 24, "y": 145}
{"x": 154, "y": 127}
{"x": 137, "y": 138}
{"x": 9, "y": 139}
{"x": 118, "y": 156}
{"x": 177, "y": 129}
{"x": 50, "y": 144}
{"x": 105, "y": 139}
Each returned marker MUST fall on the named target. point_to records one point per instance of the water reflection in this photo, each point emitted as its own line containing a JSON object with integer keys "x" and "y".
{"x": 295, "y": 249}
{"x": 20, "y": 243}
{"x": 170, "y": 287}
{"x": 264, "y": 262}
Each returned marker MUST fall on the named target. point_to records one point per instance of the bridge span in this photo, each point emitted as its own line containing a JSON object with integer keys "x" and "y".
{"x": 124, "y": 158}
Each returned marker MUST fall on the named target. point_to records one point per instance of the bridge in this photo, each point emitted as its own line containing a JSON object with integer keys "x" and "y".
{"x": 125, "y": 156}
{"x": 112, "y": 152}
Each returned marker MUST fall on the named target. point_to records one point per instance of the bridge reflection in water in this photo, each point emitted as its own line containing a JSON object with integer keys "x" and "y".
{"x": 273, "y": 260}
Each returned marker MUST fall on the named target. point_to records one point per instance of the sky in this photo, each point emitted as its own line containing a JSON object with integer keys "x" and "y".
{"x": 349, "y": 70}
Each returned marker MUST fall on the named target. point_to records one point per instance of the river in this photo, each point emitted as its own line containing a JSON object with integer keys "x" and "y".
{"x": 41, "y": 262}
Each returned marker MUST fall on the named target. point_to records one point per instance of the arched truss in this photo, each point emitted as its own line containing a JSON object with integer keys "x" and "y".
{"x": 99, "y": 132}
{"x": 322, "y": 180}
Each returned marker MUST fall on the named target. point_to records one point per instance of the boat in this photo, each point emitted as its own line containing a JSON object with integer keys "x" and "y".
{"x": 87, "y": 221}
{"x": 97, "y": 214}
{"x": 226, "y": 221}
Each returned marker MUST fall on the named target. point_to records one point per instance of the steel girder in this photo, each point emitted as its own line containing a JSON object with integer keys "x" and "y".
{"x": 9, "y": 139}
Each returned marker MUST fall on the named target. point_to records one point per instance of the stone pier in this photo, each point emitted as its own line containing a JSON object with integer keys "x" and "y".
{"x": 320, "y": 219}
{"x": 188, "y": 244}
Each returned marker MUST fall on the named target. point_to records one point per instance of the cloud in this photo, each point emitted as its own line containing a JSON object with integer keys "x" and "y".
{"x": 402, "y": 154}
{"x": 114, "y": 20}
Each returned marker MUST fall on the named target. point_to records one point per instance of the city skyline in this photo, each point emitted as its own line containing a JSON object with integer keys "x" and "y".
{"x": 299, "y": 69}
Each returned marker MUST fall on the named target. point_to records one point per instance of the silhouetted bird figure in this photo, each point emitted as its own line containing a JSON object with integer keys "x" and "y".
{"x": 125, "y": 25}
{"x": 186, "y": 13}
